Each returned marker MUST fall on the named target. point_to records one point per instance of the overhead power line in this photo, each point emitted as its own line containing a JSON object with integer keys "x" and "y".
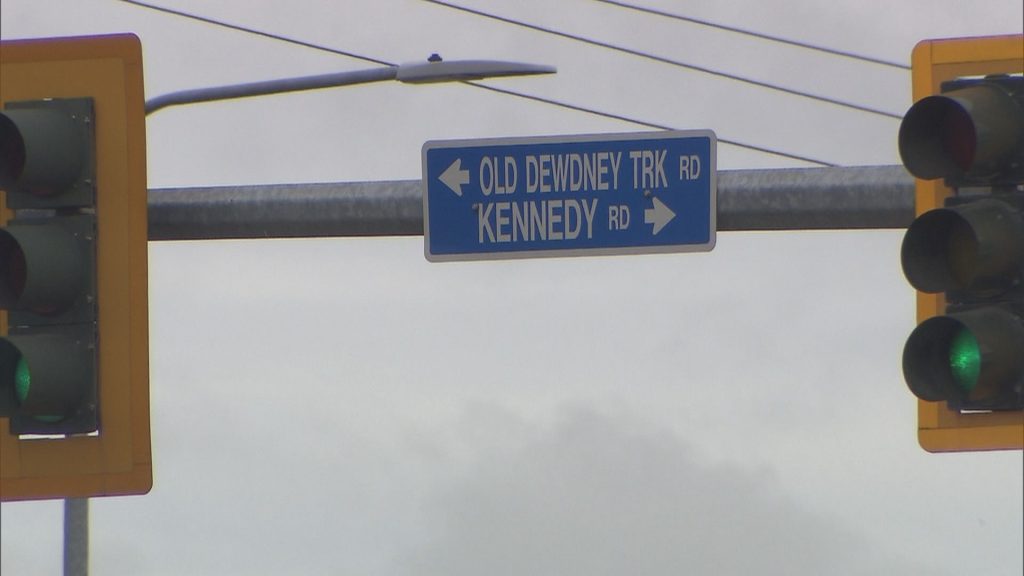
{"x": 664, "y": 60}
{"x": 541, "y": 99}
{"x": 614, "y": 116}
{"x": 256, "y": 32}
{"x": 754, "y": 34}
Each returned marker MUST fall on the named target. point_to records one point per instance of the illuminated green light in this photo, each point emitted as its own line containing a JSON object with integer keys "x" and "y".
{"x": 22, "y": 384}
{"x": 965, "y": 359}
{"x": 22, "y": 379}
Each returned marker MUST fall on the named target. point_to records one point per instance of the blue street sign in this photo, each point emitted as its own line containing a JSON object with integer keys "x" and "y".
{"x": 637, "y": 193}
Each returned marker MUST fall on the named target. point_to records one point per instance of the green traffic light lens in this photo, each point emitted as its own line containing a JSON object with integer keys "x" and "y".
{"x": 965, "y": 359}
{"x": 22, "y": 385}
{"x": 22, "y": 379}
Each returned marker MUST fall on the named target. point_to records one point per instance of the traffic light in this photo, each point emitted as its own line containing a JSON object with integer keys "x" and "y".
{"x": 47, "y": 267}
{"x": 74, "y": 372}
{"x": 963, "y": 140}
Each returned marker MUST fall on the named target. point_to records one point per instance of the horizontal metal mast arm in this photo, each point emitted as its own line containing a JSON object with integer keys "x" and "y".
{"x": 392, "y": 208}
{"x": 870, "y": 197}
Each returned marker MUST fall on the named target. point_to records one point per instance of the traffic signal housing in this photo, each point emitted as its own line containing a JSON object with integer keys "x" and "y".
{"x": 963, "y": 140}
{"x": 47, "y": 267}
{"x": 74, "y": 371}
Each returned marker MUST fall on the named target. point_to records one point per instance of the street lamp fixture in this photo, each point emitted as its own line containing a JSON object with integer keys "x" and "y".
{"x": 431, "y": 72}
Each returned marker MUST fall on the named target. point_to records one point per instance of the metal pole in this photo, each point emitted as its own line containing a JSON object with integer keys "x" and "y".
{"x": 870, "y": 197}
{"x": 271, "y": 87}
{"x": 423, "y": 73}
{"x": 834, "y": 198}
{"x": 76, "y": 537}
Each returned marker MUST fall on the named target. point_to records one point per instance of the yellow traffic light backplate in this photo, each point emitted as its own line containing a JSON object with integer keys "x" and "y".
{"x": 934, "y": 62}
{"x": 116, "y": 460}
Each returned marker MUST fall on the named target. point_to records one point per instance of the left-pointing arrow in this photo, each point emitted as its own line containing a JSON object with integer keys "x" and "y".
{"x": 660, "y": 215}
{"x": 454, "y": 177}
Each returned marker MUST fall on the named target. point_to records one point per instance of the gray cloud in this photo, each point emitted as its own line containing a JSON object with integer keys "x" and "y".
{"x": 596, "y": 495}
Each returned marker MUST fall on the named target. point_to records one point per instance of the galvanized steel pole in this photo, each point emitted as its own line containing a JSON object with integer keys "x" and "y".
{"x": 867, "y": 197}
{"x": 76, "y": 537}
{"x": 870, "y": 197}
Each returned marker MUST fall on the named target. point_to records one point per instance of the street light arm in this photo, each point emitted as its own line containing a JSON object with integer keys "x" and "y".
{"x": 454, "y": 71}
{"x": 271, "y": 87}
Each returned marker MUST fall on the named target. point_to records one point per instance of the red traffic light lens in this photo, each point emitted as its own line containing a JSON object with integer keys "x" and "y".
{"x": 959, "y": 138}
{"x": 12, "y": 153}
{"x": 938, "y": 139}
{"x": 969, "y": 131}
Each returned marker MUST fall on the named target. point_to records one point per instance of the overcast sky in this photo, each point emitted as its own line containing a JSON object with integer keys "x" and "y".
{"x": 342, "y": 406}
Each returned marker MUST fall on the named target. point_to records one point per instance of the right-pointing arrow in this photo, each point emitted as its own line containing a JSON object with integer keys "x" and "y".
{"x": 660, "y": 215}
{"x": 454, "y": 177}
